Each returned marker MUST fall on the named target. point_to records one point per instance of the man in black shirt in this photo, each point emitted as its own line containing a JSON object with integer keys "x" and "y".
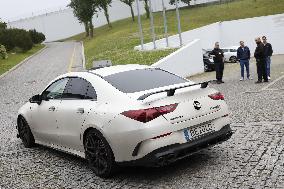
{"x": 260, "y": 61}
{"x": 218, "y": 57}
{"x": 267, "y": 53}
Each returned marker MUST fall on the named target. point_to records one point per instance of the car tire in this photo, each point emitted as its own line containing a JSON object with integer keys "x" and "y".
{"x": 25, "y": 133}
{"x": 99, "y": 154}
{"x": 233, "y": 59}
{"x": 206, "y": 68}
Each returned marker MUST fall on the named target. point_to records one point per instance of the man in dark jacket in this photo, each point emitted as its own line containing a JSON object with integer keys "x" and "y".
{"x": 243, "y": 54}
{"x": 267, "y": 53}
{"x": 260, "y": 61}
{"x": 218, "y": 57}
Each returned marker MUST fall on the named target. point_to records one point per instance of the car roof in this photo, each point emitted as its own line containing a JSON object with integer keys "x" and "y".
{"x": 116, "y": 69}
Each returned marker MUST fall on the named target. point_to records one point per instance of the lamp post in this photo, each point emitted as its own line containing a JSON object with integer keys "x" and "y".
{"x": 178, "y": 19}
{"x": 152, "y": 24}
{"x": 140, "y": 26}
{"x": 165, "y": 23}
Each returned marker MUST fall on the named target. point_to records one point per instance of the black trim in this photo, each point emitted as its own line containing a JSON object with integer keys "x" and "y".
{"x": 171, "y": 91}
{"x": 174, "y": 152}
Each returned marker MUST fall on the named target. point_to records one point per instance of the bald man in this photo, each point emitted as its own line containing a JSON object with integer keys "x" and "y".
{"x": 259, "y": 55}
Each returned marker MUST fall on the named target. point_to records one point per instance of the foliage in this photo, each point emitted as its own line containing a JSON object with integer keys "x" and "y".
{"x": 129, "y": 3}
{"x": 3, "y": 52}
{"x": 172, "y": 2}
{"x": 12, "y": 38}
{"x": 84, "y": 10}
{"x": 37, "y": 37}
{"x": 147, "y": 9}
{"x": 104, "y": 4}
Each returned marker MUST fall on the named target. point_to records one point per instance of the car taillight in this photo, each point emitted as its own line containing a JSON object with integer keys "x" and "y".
{"x": 217, "y": 96}
{"x": 146, "y": 115}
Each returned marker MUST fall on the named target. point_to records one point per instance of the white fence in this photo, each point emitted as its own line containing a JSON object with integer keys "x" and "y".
{"x": 229, "y": 33}
{"x": 185, "y": 62}
{"x": 62, "y": 24}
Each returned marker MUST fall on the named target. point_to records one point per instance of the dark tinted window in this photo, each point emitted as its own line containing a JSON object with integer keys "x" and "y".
{"x": 78, "y": 88}
{"x": 55, "y": 90}
{"x": 141, "y": 80}
{"x": 233, "y": 50}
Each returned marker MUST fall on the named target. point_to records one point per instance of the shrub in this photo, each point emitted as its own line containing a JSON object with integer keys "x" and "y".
{"x": 37, "y": 37}
{"x": 6, "y": 39}
{"x": 12, "y": 38}
{"x": 3, "y": 52}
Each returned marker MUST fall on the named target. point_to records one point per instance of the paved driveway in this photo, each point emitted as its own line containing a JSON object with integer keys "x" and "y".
{"x": 253, "y": 157}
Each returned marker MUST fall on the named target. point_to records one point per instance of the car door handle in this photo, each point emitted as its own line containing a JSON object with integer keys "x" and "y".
{"x": 80, "y": 110}
{"x": 51, "y": 109}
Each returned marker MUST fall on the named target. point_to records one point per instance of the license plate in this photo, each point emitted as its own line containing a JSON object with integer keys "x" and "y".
{"x": 197, "y": 131}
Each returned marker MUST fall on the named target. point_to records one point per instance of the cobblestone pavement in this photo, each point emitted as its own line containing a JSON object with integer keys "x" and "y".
{"x": 252, "y": 158}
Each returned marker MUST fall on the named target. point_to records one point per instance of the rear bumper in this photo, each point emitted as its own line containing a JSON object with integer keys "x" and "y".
{"x": 174, "y": 152}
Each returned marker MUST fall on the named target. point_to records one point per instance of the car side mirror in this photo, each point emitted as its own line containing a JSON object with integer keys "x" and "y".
{"x": 36, "y": 99}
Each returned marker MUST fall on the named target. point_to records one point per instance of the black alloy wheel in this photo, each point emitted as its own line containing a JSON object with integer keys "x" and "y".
{"x": 25, "y": 133}
{"x": 233, "y": 59}
{"x": 99, "y": 154}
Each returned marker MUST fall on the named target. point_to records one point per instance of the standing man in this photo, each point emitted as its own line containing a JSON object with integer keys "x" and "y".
{"x": 218, "y": 57}
{"x": 267, "y": 53}
{"x": 243, "y": 54}
{"x": 260, "y": 61}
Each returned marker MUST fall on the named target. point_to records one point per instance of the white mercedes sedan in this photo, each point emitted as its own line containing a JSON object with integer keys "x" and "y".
{"x": 125, "y": 115}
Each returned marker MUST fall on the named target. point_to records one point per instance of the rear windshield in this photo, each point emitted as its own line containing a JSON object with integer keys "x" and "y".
{"x": 143, "y": 79}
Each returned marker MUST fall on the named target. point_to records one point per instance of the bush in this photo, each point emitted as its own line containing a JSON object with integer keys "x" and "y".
{"x": 37, "y": 37}
{"x": 6, "y": 39}
{"x": 22, "y": 39}
{"x": 12, "y": 38}
{"x": 3, "y": 52}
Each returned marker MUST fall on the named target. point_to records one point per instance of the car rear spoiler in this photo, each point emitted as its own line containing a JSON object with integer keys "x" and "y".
{"x": 171, "y": 91}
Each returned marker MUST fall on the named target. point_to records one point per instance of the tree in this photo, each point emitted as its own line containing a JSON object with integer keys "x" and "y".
{"x": 3, "y": 25}
{"x": 84, "y": 10}
{"x": 129, "y": 3}
{"x": 172, "y": 2}
{"x": 103, "y": 4}
{"x": 147, "y": 9}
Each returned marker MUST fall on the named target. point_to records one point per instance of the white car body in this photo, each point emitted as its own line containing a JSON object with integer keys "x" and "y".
{"x": 230, "y": 53}
{"x": 64, "y": 126}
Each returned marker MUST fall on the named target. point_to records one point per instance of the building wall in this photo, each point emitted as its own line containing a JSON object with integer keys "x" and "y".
{"x": 62, "y": 24}
{"x": 229, "y": 33}
{"x": 185, "y": 62}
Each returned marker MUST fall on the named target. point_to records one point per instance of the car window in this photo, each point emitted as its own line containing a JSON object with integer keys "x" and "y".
{"x": 142, "y": 79}
{"x": 55, "y": 90}
{"x": 79, "y": 88}
{"x": 233, "y": 50}
{"x": 225, "y": 50}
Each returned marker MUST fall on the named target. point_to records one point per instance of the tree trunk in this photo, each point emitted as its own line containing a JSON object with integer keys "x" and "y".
{"x": 147, "y": 8}
{"x": 132, "y": 13}
{"x": 87, "y": 29}
{"x": 107, "y": 16}
{"x": 91, "y": 29}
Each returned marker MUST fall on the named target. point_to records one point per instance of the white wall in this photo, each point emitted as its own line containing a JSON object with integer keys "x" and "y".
{"x": 62, "y": 24}
{"x": 185, "y": 62}
{"x": 229, "y": 33}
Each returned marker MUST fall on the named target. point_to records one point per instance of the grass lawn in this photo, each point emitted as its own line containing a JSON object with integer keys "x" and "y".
{"x": 16, "y": 58}
{"x": 117, "y": 43}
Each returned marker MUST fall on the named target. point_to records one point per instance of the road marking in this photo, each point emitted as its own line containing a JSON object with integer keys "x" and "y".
{"x": 72, "y": 59}
{"x": 272, "y": 83}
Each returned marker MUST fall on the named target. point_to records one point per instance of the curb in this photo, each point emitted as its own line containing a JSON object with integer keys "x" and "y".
{"x": 22, "y": 62}
{"x": 83, "y": 56}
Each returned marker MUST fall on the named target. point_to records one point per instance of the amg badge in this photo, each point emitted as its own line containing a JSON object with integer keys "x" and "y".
{"x": 197, "y": 105}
